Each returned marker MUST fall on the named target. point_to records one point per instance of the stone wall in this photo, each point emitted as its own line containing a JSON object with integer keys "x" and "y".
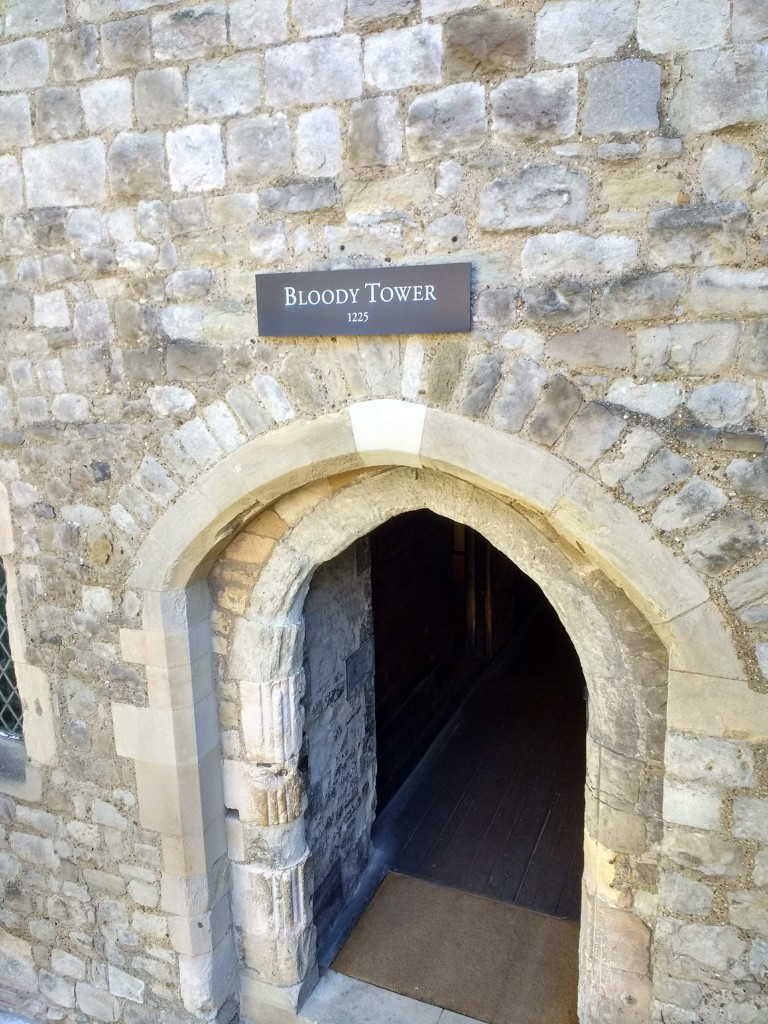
{"x": 601, "y": 163}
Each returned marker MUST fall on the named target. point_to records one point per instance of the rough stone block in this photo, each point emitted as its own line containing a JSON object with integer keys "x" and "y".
{"x": 482, "y": 377}
{"x": 404, "y": 57}
{"x": 258, "y": 22}
{"x": 721, "y": 87}
{"x": 313, "y": 19}
{"x": 318, "y": 143}
{"x": 33, "y": 17}
{"x": 703, "y": 852}
{"x": 622, "y": 97}
{"x": 375, "y": 132}
{"x": 268, "y": 242}
{"x": 567, "y": 302}
{"x": 11, "y": 186}
{"x": 195, "y": 158}
{"x": 189, "y": 32}
{"x": 159, "y": 97}
{"x": 592, "y": 348}
{"x": 559, "y": 403}
{"x": 718, "y": 761}
{"x": 75, "y": 54}
{"x": 696, "y": 502}
{"x": 65, "y": 174}
{"x": 518, "y": 394}
{"x": 724, "y": 404}
{"x": 749, "y": 476}
{"x": 664, "y": 469}
{"x": 730, "y": 292}
{"x": 568, "y": 254}
{"x": 699, "y": 236}
{"x": 361, "y": 12}
{"x": 320, "y": 71}
{"x": 108, "y": 105}
{"x": 97, "y": 1003}
{"x": 23, "y": 65}
{"x": 126, "y": 44}
{"x": 732, "y": 538}
{"x": 486, "y": 42}
{"x": 592, "y": 433}
{"x": 695, "y": 349}
{"x": 137, "y": 165}
{"x": 447, "y": 233}
{"x": 59, "y": 114}
{"x": 750, "y": 20}
{"x": 449, "y": 121}
{"x": 750, "y": 818}
{"x": 303, "y": 198}
{"x": 497, "y": 307}
{"x": 537, "y": 197}
{"x": 695, "y": 806}
{"x": 16, "y": 120}
{"x": 541, "y": 106}
{"x": 642, "y": 297}
{"x": 258, "y": 149}
{"x": 749, "y": 911}
{"x": 225, "y": 87}
{"x": 573, "y": 30}
{"x": 667, "y": 26}
{"x": 684, "y": 895}
{"x": 51, "y": 310}
{"x": 726, "y": 170}
{"x": 657, "y": 399}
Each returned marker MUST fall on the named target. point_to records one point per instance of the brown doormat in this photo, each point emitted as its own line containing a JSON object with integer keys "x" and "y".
{"x": 492, "y": 961}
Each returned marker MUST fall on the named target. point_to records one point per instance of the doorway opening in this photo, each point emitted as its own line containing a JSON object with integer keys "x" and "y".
{"x": 444, "y": 734}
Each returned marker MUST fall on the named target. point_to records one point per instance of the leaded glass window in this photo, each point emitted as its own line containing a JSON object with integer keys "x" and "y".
{"x": 10, "y": 704}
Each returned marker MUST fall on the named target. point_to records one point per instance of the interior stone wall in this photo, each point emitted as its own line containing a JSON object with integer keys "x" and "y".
{"x": 601, "y": 164}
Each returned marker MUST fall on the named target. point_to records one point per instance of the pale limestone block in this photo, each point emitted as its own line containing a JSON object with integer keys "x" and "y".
{"x": 449, "y": 121}
{"x": 107, "y": 105}
{"x": 730, "y": 292}
{"x": 691, "y": 506}
{"x": 750, "y": 818}
{"x": 695, "y": 349}
{"x": 726, "y": 169}
{"x": 536, "y": 197}
{"x": 657, "y": 399}
{"x": 714, "y": 946}
{"x": 749, "y": 911}
{"x": 575, "y": 30}
{"x": 195, "y": 158}
{"x": 703, "y": 851}
{"x": 539, "y": 106}
{"x": 258, "y": 22}
{"x": 23, "y": 65}
{"x": 225, "y": 87}
{"x": 434, "y": 8}
{"x": 569, "y": 254}
{"x": 11, "y": 186}
{"x": 622, "y": 97}
{"x": 34, "y": 17}
{"x": 401, "y": 58}
{"x": 190, "y": 32}
{"x": 750, "y": 20}
{"x": 726, "y": 403}
{"x": 695, "y": 806}
{"x": 159, "y": 97}
{"x": 274, "y": 398}
{"x": 65, "y": 174}
{"x": 386, "y": 427}
{"x": 684, "y": 895}
{"x": 258, "y": 149}
{"x": 18, "y": 971}
{"x": 16, "y": 121}
{"x": 668, "y": 26}
{"x": 320, "y": 71}
{"x": 318, "y": 143}
{"x": 721, "y": 87}
{"x": 715, "y": 707}
{"x": 313, "y": 19}
{"x": 51, "y": 310}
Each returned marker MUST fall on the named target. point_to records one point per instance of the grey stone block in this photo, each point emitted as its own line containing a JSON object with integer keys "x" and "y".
{"x": 657, "y": 399}
{"x": 362, "y": 12}
{"x": 189, "y": 32}
{"x": 75, "y": 54}
{"x": 16, "y": 120}
{"x": 184, "y": 285}
{"x": 724, "y": 404}
{"x": 225, "y": 87}
{"x": 449, "y": 121}
{"x": 568, "y": 254}
{"x": 592, "y": 433}
{"x": 195, "y": 158}
{"x": 685, "y": 896}
{"x": 11, "y": 186}
{"x": 592, "y": 348}
{"x": 726, "y": 170}
{"x": 750, "y": 818}
{"x": 188, "y": 215}
{"x": 258, "y": 22}
{"x": 721, "y": 87}
{"x": 540, "y": 106}
{"x": 23, "y": 65}
{"x": 483, "y": 376}
{"x": 188, "y": 361}
{"x": 622, "y": 97}
{"x": 559, "y": 403}
{"x": 320, "y": 71}
{"x": 729, "y": 292}
{"x": 719, "y": 762}
{"x": 696, "y": 349}
{"x": 537, "y": 197}
{"x": 691, "y": 506}
{"x": 750, "y": 20}
{"x": 33, "y": 17}
{"x": 58, "y": 113}
{"x": 318, "y": 143}
{"x": 126, "y": 44}
{"x": 700, "y": 236}
{"x": 567, "y": 302}
{"x": 15, "y": 308}
{"x": 258, "y": 149}
{"x": 313, "y": 19}
{"x": 732, "y": 538}
{"x": 137, "y": 165}
{"x": 159, "y": 97}
{"x": 641, "y": 297}
{"x": 302, "y": 198}
{"x": 573, "y": 30}
{"x": 518, "y": 394}
{"x": 447, "y": 234}
{"x": 268, "y": 242}
{"x": 486, "y": 42}
{"x": 404, "y": 57}
{"x": 375, "y": 132}
{"x": 667, "y": 26}
{"x": 748, "y": 588}
{"x": 497, "y": 307}
{"x": 663, "y": 469}
{"x": 108, "y": 105}
{"x": 65, "y": 174}
{"x": 749, "y": 476}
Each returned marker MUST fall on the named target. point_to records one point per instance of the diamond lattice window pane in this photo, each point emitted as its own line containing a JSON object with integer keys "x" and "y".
{"x": 10, "y": 704}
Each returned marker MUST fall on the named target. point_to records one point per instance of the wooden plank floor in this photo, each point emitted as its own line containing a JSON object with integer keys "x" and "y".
{"x": 500, "y": 807}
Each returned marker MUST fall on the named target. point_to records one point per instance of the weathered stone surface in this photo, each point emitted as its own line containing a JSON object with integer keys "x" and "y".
{"x": 749, "y": 476}
{"x": 320, "y": 71}
{"x": 657, "y": 399}
{"x": 622, "y": 97}
{"x": 750, "y": 818}
{"x": 497, "y": 306}
{"x": 75, "y": 54}
{"x": 714, "y": 946}
{"x": 662, "y": 470}
{"x": 11, "y": 186}
{"x": 257, "y": 22}
{"x": 642, "y": 297}
{"x": 569, "y": 254}
{"x": 591, "y": 434}
{"x": 258, "y": 149}
{"x": 696, "y": 806}
{"x": 684, "y": 895}
{"x": 575, "y": 30}
{"x": 108, "y": 105}
{"x": 225, "y": 87}
{"x": 65, "y": 173}
{"x": 538, "y": 196}
{"x": 749, "y": 910}
{"x": 190, "y": 32}
{"x": 486, "y": 42}
{"x": 726, "y": 170}
{"x": 361, "y": 12}
{"x": 26, "y": 18}
{"x": 559, "y": 403}
{"x": 481, "y": 380}
{"x": 730, "y": 292}
{"x": 696, "y": 349}
{"x": 593, "y": 347}
{"x": 318, "y": 143}
{"x": 300, "y": 198}
{"x": 404, "y": 57}
{"x": 690, "y": 507}
{"x": 666, "y": 26}
{"x": 160, "y": 98}
{"x": 703, "y": 852}
{"x": 732, "y": 538}
{"x": 195, "y": 158}
{"x": 719, "y": 762}
{"x": 126, "y": 44}
{"x": 723, "y": 404}
{"x": 449, "y": 121}
{"x": 539, "y": 106}
{"x": 268, "y": 242}
{"x": 314, "y": 19}
{"x": 699, "y": 236}
{"x": 721, "y": 87}
{"x": 519, "y": 393}
{"x": 750, "y": 20}
{"x": 447, "y": 233}
{"x": 23, "y": 65}
{"x": 137, "y": 165}
{"x": 375, "y": 132}
{"x": 97, "y": 1003}
{"x": 58, "y": 113}
{"x": 18, "y": 971}
{"x": 16, "y": 121}
{"x": 567, "y": 302}
{"x": 748, "y": 589}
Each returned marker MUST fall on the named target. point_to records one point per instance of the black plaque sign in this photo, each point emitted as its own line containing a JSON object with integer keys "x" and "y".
{"x": 432, "y": 299}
